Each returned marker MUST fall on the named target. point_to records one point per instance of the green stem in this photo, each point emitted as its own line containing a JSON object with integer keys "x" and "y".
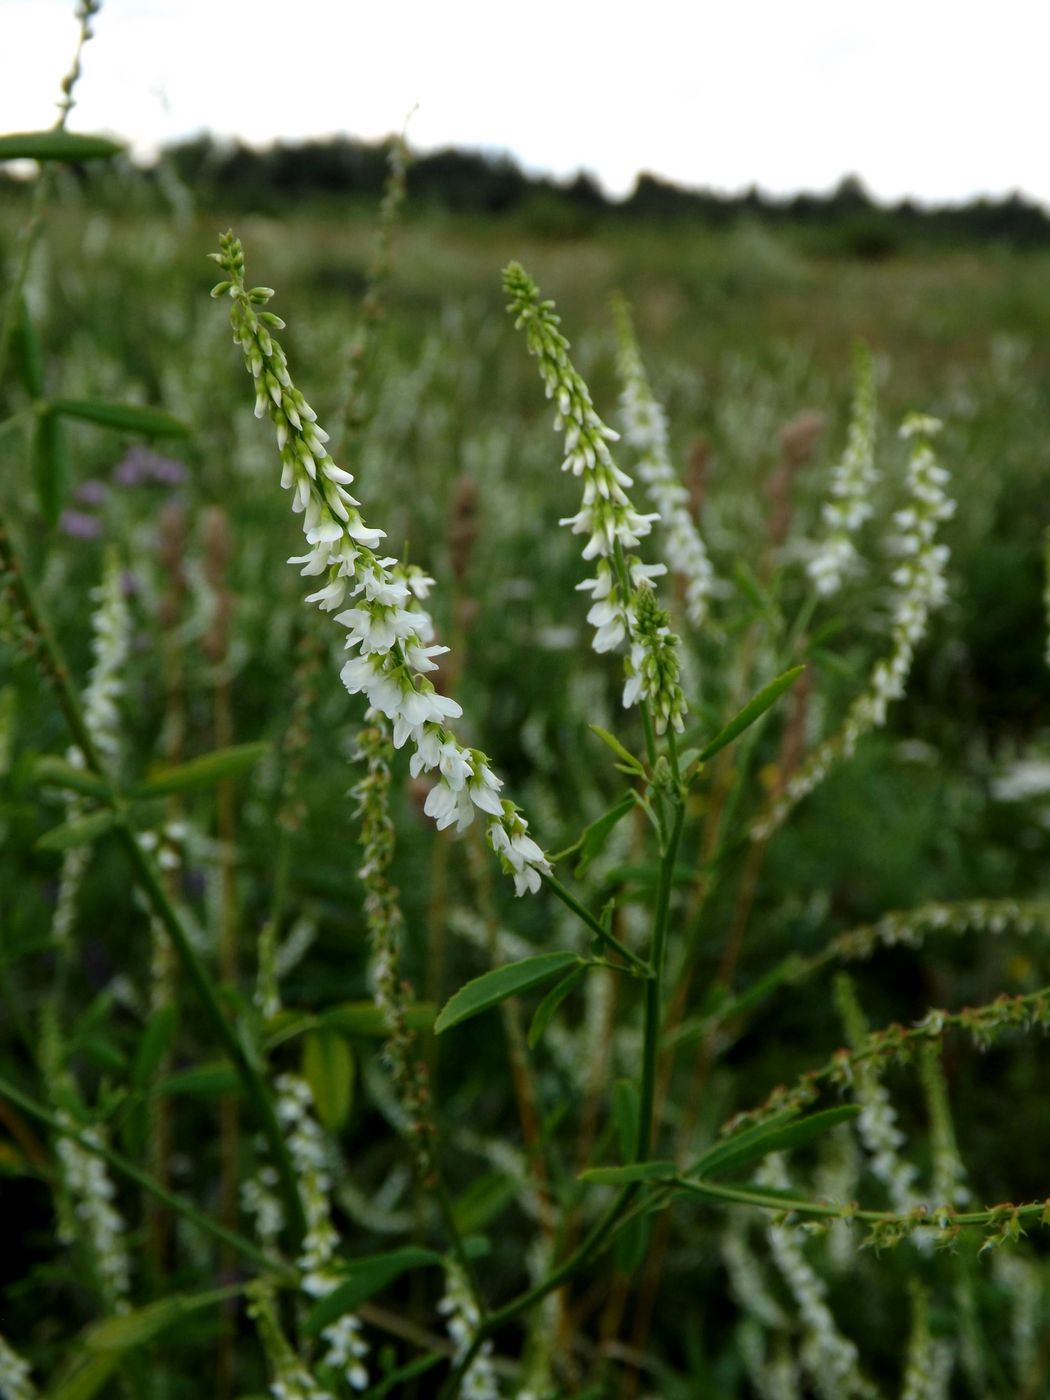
{"x": 640, "y": 966}
{"x": 786, "y": 1205}
{"x": 255, "y": 1086}
{"x": 448, "y": 1218}
{"x": 240, "y": 1243}
{"x": 608, "y": 1222}
{"x": 653, "y": 1007}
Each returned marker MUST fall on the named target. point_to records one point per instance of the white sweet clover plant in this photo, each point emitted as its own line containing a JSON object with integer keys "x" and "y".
{"x": 645, "y": 430}
{"x": 920, "y": 587}
{"x": 607, "y": 517}
{"x": 390, "y": 637}
{"x": 852, "y": 481}
{"x": 110, "y": 639}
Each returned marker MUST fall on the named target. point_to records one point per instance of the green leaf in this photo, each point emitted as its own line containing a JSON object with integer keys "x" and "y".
{"x": 749, "y": 585}
{"x": 25, "y": 349}
{"x": 753, "y": 1144}
{"x": 365, "y": 1018}
{"x": 624, "y": 755}
{"x": 203, "y": 772}
{"x": 202, "y": 1081}
{"x": 631, "y": 1245}
{"x": 352, "y": 1018}
{"x": 594, "y": 837}
{"x": 366, "y": 1277}
{"x": 625, "y": 1115}
{"x": 550, "y": 1003}
{"x": 629, "y": 1175}
{"x": 56, "y": 145}
{"x": 86, "y": 1377}
{"x": 50, "y": 467}
{"x": 154, "y": 1044}
{"x": 128, "y": 418}
{"x": 81, "y": 831}
{"x": 102, "y": 1346}
{"x": 496, "y": 986}
{"x": 52, "y": 771}
{"x": 328, "y": 1068}
{"x": 482, "y": 1202}
{"x": 100, "y": 1050}
{"x": 755, "y": 707}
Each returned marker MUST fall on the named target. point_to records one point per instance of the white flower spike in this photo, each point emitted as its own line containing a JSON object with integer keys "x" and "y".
{"x": 388, "y": 633}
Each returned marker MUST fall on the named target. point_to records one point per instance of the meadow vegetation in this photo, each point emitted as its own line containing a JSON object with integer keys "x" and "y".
{"x": 698, "y": 1051}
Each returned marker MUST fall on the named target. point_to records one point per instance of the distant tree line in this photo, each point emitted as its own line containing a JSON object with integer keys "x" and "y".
{"x": 341, "y": 170}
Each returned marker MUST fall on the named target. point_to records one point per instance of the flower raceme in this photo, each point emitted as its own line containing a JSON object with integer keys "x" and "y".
{"x": 389, "y": 634}
{"x": 645, "y": 430}
{"x": 608, "y": 517}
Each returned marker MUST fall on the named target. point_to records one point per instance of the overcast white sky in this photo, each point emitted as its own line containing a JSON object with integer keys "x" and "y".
{"x": 938, "y": 99}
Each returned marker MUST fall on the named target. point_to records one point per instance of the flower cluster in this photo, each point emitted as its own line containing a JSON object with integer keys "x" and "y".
{"x": 462, "y": 1320}
{"x": 608, "y": 517}
{"x": 15, "y": 1382}
{"x": 110, "y": 626}
{"x": 949, "y": 1174}
{"x": 928, "y": 1370}
{"x": 830, "y": 1358}
{"x": 85, "y": 1177}
{"x": 645, "y": 429}
{"x": 290, "y": 1380}
{"x": 652, "y": 664}
{"x": 385, "y": 923}
{"x": 110, "y": 635}
{"x": 908, "y": 927}
{"x": 389, "y": 635}
{"x": 851, "y": 484}
{"x": 920, "y": 585}
{"x": 306, "y": 1144}
{"x": 877, "y": 1123}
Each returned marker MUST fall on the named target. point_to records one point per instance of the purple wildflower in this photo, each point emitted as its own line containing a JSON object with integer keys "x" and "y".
{"x": 79, "y": 525}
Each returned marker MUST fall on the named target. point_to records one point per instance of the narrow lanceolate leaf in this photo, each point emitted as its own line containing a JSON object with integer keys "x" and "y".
{"x": 753, "y": 1144}
{"x": 103, "y": 1346}
{"x": 352, "y": 1018}
{"x": 128, "y": 418}
{"x": 631, "y": 1174}
{"x": 624, "y": 755}
{"x": 328, "y": 1068}
{"x": 56, "y": 145}
{"x": 25, "y": 350}
{"x": 503, "y": 982}
{"x": 365, "y": 1278}
{"x": 50, "y": 470}
{"x": 52, "y": 771}
{"x": 755, "y": 707}
{"x": 594, "y": 837}
{"x": 202, "y": 1081}
{"x": 154, "y": 1044}
{"x": 203, "y": 772}
{"x": 80, "y": 832}
{"x": 626, "y": 1112}
{"x": 550, "y": 1003}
